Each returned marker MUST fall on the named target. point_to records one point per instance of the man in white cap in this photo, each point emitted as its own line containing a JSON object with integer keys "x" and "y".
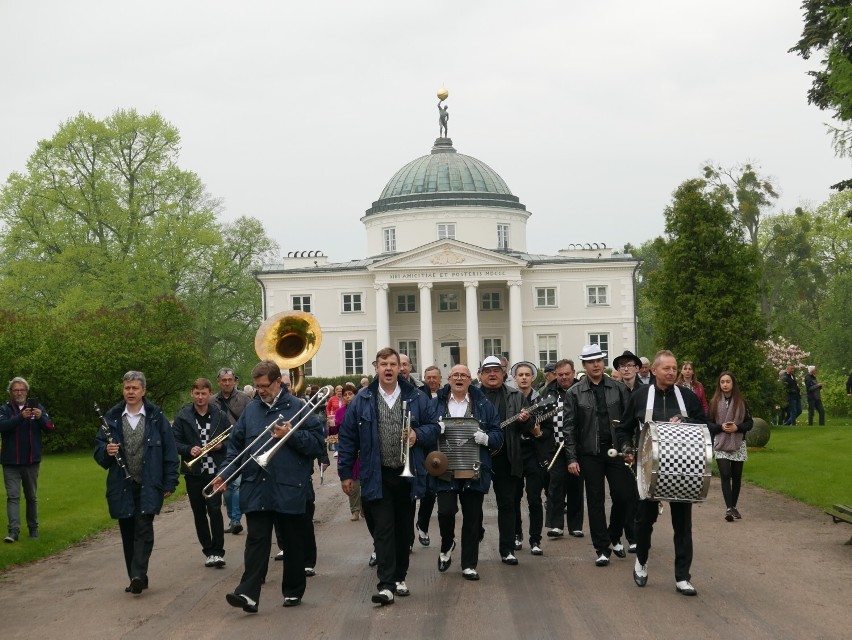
{"x": 590, "y": 407}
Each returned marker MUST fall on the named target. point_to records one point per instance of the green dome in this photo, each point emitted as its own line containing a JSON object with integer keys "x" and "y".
{"x": 445, "y": 178}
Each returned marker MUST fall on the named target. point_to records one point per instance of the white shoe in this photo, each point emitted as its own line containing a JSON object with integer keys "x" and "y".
{"x": 685, "y": 587}
{"x": 602, "y": 560}
{"x": 536, "y": 550}
{"x": 555, "y": 533}
{"x": 335, "y": 454}
{"x": 210, "y": 562}
{"x": 219, "y": 561}
{"x": 280, "y": 555}
{"x": 640, "y": 574}
{"x": 383, "y": 597}
{"x": 402, "y": 589}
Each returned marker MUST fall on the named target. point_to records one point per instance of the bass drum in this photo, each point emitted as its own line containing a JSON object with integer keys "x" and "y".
{"x": 673, "y": 462}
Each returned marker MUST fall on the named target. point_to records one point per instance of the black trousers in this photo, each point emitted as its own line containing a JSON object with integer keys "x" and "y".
{"x": 290, "y": 528}
{"x": 646, "y": 516}
{"x": 424, "y": 513}
{"x": 564, "y": 497}
{"x": 471, "y": 508}
{"x": 816, "y": 404}
{"x": 209, "y": 523}
{"x": 393, "y": 528}
{"x": 505, "y": 489}
{"x": 595, "y": 469}
{"x": 309, "y": 536}
{"x": 137, "y": 539}
{"x": 535, "y": 479}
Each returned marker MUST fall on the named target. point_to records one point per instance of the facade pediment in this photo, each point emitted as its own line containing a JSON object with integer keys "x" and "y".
{"x": 449, "y": 255}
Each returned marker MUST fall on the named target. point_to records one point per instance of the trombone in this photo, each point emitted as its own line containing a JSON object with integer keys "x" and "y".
{"x": 212, "y": 444}
{"x": 264, "y": 453}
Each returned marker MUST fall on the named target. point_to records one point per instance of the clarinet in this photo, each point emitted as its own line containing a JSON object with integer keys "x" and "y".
{"x": 108, "y": 433}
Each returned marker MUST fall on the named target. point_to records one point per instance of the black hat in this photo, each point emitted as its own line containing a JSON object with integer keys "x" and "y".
{"x": 627, "y": 355}
{"x": 550, "y": 367}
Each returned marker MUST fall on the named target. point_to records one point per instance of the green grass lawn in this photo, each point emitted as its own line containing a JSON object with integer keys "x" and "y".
{"x": 811, "y": 464}
{"x": 71, "y": 507}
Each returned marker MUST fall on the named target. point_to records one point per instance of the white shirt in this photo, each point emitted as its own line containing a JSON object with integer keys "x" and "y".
{"x": 457, "y": 408}
{"x": 390, "y": 398}
{"x": 133, "y": 418}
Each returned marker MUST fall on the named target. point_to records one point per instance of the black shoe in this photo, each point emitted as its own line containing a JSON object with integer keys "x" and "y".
{"x": 242, "y": 601}
{"x": 631, "y": 548}
{"x": 373, "y": 561}
{"x": 729, "y": 515}
{"x": 618, "y": 550}
{"x": 470, "y": 574}
{"x": 555, "y": 533}
{"x": 577, "y": 533}
{"x": 229, "y": 528}
{"x": 237, "y": 528}
{"x": 640, "y": 576}
{"x": 518, "y": 543}
{"x": 144, "y": 585}
{"x": 509, "y": 559}
{"x": 423, "y": 537}
{"x": 292, "y": 602}
{"x": 310, "y": 572}
{"x": 443, "y": 564}
{"x": 383, "y": 597}
{"x": 602, "y": 559}
{"x": 137, "y": 584}
{"x": 34, "y": 534}
{"x": 736, "y": 513}
{"x": 685, "y": 587}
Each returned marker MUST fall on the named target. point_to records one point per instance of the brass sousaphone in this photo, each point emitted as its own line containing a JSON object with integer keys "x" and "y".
{"x": 289, "y": 339}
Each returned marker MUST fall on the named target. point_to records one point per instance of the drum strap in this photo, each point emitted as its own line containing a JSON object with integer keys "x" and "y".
{"x": 649, "y": 406}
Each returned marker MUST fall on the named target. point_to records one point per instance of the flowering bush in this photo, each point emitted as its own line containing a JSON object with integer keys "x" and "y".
{"x": 780, "y": 352}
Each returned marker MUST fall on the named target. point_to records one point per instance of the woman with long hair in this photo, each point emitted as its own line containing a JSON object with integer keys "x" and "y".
{"x": 347, "y": 392}
{"x": 729, "y": 421}
{"x": 687, "y": 379}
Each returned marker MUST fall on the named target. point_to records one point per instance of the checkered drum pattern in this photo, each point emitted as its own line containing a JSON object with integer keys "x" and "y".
{"x": 681, "y": 455}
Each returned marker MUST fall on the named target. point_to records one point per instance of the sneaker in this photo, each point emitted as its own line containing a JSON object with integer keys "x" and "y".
{"x": 510, "y": 559}
{"x": 555, "y": 533}
{"x": 423, "y": 537}
{"x": 402, "y": 589}
{"x": 602, "y": 561}
{"x": 280, "y": 555}
{"x": 470, "y": 574}
{"x": 536, "y": 550}
{"x": 640, "y": 574}
{"x": 518, "y": 543}
{"x": 618, "y": 550}
{"x": 236, "y": 528}
{"x": 372, "y": 562}
{"x": 242, "y": 601}
{"x": 685, "y": 587}
{"x": 210, "y": 562}
{"x": 729, "y": 515}
{"x": 737, "y": 515}
{"x": 383, "y": 597}
{"x": 12, "y": 537}
{"x": 631, "y": 548}
{"x": 310, "y": 572}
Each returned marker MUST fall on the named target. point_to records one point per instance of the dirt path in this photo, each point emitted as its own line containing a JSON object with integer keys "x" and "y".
{"x": 781, "y": 572}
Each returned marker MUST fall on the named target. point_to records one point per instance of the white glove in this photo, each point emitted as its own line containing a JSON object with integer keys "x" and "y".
{"x": 442, "y": 425}
{"x": 480, "y": 437}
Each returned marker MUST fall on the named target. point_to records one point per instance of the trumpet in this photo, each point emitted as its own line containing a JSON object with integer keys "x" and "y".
{"x": 210, "y": 446}
{"x": 405, "y": 447}
{"x": 264, "y": 453}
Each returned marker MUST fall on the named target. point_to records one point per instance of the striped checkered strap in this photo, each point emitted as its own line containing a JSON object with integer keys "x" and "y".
{"x": 649, "y": 406}
{"x": 557, "y": 421}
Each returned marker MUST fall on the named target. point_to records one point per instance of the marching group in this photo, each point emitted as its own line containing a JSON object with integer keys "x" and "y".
{"x": 554, "y": 442}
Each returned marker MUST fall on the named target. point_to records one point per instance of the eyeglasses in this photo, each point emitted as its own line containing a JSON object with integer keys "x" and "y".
{"x": 458, "y": 376}
{"x": 627, "y": 366}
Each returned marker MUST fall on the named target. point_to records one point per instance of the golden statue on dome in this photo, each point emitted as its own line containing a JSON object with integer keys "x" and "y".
{"x": 443, "y": 114}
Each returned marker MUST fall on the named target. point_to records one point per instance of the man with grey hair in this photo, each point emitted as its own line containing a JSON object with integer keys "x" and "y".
{"x": 22, "y": 421}
{"x": 645, "y": 376}
{"x": 814, "y": 392}
{"x": 233, "y": 402}
{"x": 138, "y": 429}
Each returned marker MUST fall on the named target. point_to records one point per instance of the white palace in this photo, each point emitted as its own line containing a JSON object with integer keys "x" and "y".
{"x": 449, "y": 279}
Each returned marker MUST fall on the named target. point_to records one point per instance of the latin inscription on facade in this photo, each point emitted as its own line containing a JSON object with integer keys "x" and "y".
{"x": 446, "y": 275}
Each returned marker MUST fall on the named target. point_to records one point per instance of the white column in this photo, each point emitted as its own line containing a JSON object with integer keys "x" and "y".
{"x": 516, "y": 317}
{"x": 382, "y": 316}
{"x": 427, "y": 342}
{"x": 472, "y": 316}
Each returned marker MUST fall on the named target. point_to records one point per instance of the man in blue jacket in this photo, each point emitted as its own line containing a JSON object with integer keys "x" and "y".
{"x": 277, "y": 496}
{"x": 460, "y": 400}
{"x": 21, "y": 423}
{"x": 140, "y": 431}
{"x": 373, "y": 428}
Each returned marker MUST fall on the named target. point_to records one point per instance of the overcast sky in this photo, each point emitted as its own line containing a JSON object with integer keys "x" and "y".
{"x": 299, "y": 113}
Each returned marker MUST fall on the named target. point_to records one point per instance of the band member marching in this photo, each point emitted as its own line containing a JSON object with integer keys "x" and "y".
{"x": 459, "y": 400}
{"x": 374, "y": 427}
{"x": 200, "y": 430}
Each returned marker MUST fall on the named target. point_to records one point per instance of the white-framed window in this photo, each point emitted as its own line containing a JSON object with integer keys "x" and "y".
{"x": 301, "y": 303}
{"x": 492, "y": 347}
{"x": 409, "y": 348}
{"x": 546, "y": 350}
{"x": 502, "y": 236}
{"x": 406, "y": 303}
{"x": 446, "y": 230}
{"x": 389, "y": 235}
{"x": 309, "y": 368}
{"x": 448, "y": 301}
{"x": 545, "y": 297}
{"x": 602, "y": 340}
{"x": 352, "y": 303}
{"x": 597, "y": 295}
{"x": 491, "y": 301}
{"x": 353, "y": 357}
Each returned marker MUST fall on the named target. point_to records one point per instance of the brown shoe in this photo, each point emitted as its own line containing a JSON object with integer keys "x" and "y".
{"x": 356, "y": 515}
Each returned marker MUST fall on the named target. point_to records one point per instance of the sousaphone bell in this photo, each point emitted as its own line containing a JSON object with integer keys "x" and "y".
{"x": 290, "y": 339}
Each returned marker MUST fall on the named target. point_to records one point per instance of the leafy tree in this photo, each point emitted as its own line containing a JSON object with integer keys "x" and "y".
{"x": 705, "y": 292}
{"x": 649, "y": 255}
{"x": 828, "y": 29}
